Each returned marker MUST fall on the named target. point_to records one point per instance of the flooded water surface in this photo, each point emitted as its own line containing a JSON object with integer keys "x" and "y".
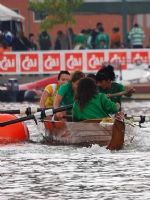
{"x": 36, "y": 171}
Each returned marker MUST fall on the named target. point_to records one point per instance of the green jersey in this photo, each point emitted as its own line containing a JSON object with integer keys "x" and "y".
{"x": 98, "y": 107}
{"x": 115, "y": 88}
{"x": 80, "y": 39}
{"x": 102, "y": 37}
{"x": 67, "y": 93}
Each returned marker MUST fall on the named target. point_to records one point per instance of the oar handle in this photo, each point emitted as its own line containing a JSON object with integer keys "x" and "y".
{"x": 31, "y": 110}
{"x": 10, "y": 111}
{"x": 38, "y": 115}
{"x": 14, "y": 121}
{"x": 27, "y": 111}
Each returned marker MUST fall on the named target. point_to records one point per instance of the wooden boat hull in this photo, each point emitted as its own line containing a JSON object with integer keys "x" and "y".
{"x": 86, "y": 133}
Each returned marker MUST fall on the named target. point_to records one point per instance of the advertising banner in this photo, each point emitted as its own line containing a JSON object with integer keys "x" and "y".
{"x": 73, "y": 61}
{"x": 29, "y": 62}
{"x": 8, "y": 63}
{"x": 51, "y": 62}
{"x": 95, "y": 60}
{"x": 89, "y": 61}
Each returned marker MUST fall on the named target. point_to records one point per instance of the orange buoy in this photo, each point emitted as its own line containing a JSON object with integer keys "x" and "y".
{"x": 13, "y": 133}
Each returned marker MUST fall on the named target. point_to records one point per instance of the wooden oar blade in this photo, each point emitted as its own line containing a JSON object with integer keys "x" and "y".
{"x": 118, "y": 133}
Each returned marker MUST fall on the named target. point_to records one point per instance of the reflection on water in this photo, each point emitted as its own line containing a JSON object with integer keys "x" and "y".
{"x": 36, "y": 171}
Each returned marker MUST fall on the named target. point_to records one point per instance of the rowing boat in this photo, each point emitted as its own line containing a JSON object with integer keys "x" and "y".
{"x": 86, "y": 133}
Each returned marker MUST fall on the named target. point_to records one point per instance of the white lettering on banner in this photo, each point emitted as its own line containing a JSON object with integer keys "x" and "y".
{"x": 28, "y": 63}
{"x": 73, "y": 62}
{"x": 6, "y": 63}
{"x": 138, "y": 59}
{"x": 51, "y": 62}
{"x": 116, "y": 60}
{"x": 95, "y": 61}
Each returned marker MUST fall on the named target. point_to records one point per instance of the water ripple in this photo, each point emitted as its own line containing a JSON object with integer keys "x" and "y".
{"x": 36, "y": 171}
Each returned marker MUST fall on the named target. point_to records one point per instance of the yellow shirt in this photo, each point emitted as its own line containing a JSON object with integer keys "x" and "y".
{"x": 51, "y": 89}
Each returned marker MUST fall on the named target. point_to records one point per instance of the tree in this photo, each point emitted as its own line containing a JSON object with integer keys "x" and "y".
{"x": 56, "y": 11}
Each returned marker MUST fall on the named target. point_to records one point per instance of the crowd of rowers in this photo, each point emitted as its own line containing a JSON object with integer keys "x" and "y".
{"x": 93, "y": 96}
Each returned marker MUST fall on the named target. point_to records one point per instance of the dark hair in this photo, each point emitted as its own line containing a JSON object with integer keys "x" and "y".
{"x": 31, "y": 35}
{"x": 92, "y": 76}
{"x": 106, "y": 73}
{"x": 62, "y": 72}
{"x": 116, "y": 29}
{"x": 136, "y": 25}
{"x": 77, "y": 75}
{"x": 86, "y": 90}
{"x": 99, "y": 24}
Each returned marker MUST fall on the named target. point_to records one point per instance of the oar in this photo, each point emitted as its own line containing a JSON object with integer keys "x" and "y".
{"x": 38, "y": 115}
{"x": 129, "y": 119}
{"x": 27, "y": 111}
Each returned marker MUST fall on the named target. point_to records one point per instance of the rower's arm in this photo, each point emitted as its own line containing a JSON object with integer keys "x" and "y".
{"x": 117, "y": 94}
{"x": 57, "y": 101}
{"x": 43, "y": 99}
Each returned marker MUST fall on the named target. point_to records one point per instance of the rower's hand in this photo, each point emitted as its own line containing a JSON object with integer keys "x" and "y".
{"x": 108, "y": 95}
{"x": 60, "y": 116}
{"x": 129, "y": 89}
{"x": 119, "y": 116}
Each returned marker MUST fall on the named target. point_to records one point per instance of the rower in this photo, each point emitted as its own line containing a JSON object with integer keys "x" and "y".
{"x": 50, "y": 90}
{"x": 90, "y": 104}
{"x": 105, "y": 81}
{"x": 65, "y": 94}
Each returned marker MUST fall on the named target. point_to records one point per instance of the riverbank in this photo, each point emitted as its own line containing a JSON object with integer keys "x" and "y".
{"x": 25, "y": 78}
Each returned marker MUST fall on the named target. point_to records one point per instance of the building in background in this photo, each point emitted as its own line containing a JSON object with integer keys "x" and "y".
{"x": 83, "y": 21}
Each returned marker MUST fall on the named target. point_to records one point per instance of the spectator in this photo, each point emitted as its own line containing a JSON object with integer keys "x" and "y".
{"x": 20, "y": 42}
{"x": 33, "y": 45}
{"x": 89, "y": 39}
{"x": 45, "y": 41}
{"x": 136, "y": 36}
{"x": 115, "y": 38}
{"x": 80, "y": 40}
{"x": 61, "y": 41}
{"x": 8, "y": 38}
{"x": 94, "y": 34}
{"x": 102, "y": 40}
{"x": 70, "y": 38}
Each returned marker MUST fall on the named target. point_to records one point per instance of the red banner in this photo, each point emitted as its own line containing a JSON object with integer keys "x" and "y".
{"x": 29, "y": 63}
{"x": 139, "y": 58}
{"x": 95, "y": 60}
{"x": 86, "y": 61}
{"x": 8, "y": 63}
{"x": 51, "y": 62}
{"x": 74, "y": 61}
{"x": 118, "y": 59}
